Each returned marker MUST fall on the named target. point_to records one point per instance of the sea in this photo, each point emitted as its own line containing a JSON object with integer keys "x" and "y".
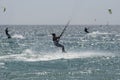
{"x": 31, "y": 55}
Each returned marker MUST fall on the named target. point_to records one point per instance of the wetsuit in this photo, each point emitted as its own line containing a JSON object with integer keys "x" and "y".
{"x": 86, "y": 30}
{"x": 6, "y": 31}
{"x": 56, "y": 43}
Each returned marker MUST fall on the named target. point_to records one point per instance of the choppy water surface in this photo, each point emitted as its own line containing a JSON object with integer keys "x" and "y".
{"x": 31, "y": 54}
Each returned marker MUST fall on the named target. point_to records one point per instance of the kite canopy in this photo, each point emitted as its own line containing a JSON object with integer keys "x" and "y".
{"x": 110, "y": 11}
{"x": 4, "y": 9}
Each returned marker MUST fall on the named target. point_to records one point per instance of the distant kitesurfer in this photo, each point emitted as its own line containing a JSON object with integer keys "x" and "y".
{"x": 8, "y": 35}
{"x": 86, "y": 30}
{"x": 56, "y": 41}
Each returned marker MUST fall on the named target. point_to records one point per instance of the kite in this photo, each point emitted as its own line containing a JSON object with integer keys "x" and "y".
{"x": 110, "y": 11}
{"x": 4, "y": 9}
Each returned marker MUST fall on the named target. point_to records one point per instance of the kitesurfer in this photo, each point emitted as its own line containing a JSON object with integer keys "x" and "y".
{"x": 56, "y": 41}
{"x": 86, "y": 30}
{"x": 8, "y": 35}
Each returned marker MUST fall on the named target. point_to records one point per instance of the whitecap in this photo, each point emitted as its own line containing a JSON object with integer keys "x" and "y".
{"x": 18, "y": 36}
{"x": 29, "y": 55}
{"x": 2, "y": 65}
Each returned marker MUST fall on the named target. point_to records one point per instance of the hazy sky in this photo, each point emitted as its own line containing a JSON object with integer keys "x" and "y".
{"x": 59, "y": 11}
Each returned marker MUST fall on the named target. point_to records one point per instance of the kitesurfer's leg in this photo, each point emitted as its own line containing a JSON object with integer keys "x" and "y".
{"x": 8, "y": 35}
{"x": 59, "y": 45}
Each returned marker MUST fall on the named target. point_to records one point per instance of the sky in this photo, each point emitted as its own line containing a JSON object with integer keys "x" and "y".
{"x": 53, "y": 12}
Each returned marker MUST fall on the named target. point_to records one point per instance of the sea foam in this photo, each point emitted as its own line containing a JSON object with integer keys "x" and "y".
{"x": 29, "y": 55}
{"x": 18, "y": 36}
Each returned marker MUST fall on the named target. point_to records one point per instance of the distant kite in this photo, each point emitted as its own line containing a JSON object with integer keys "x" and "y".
{"x": 94, "y": 19}
{"x": 4, "y": 9}
{"x": 110, "y": 11}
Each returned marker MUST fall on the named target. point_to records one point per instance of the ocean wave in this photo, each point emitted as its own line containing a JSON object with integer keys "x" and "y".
{"x": 29, "y": 55}
{"x": 2, "y": 65}
{"x": 18, "y": 36}
{"x": 97, "y": 32}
